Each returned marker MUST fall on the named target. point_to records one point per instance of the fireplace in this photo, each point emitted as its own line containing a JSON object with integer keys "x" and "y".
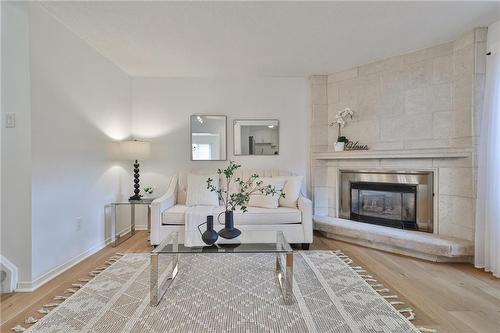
{"x": 394, "y": 199}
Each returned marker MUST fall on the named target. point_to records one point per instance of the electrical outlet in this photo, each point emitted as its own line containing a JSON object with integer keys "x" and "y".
{"x": 10, "y": 120}
{"x": 79, "y": 223}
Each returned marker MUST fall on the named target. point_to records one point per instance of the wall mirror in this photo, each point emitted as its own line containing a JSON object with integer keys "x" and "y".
{"x": 208, "y": 138}
{"x": 256, "y": 137}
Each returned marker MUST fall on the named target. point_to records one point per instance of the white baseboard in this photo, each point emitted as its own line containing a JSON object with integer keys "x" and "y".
{"x": 29, "y": 286}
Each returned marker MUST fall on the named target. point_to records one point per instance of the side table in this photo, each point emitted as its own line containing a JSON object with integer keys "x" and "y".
{"x": 117, "y": 237}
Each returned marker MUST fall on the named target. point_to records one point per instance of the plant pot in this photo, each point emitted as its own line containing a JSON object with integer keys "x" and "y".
{"x": 229, "y": 231}
{"x": 339, "y": 146}
{"x": 210, "y": 236}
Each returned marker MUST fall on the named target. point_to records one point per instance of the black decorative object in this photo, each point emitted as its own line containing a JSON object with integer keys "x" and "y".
{"x": 229, "y": 231}
{"x": 136, "y": 195}
{"x": 342, "y": 139}
{"x": 134, "y": 150}
{"x": 210, "y": 236}
{"x": 351, "y": 145}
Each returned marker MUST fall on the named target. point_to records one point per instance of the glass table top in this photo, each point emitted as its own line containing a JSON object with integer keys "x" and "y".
{"x": 250, "y": 241}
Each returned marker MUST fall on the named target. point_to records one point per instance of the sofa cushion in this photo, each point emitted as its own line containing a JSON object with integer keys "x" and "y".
{"x": 198, "y": 193}
{"x": 293, "y": 185}
{"x": 267, "y": 216}
{"x": 242, "y": 173}
{"x": 174, "y": 215}
{"x": 254, "y": 216}
{"x": 259, "y": 199}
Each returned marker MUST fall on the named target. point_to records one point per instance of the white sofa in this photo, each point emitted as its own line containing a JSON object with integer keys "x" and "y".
{"x": 168, "y": 213}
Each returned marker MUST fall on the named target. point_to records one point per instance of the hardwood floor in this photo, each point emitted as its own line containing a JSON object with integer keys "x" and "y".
{"x": 453, "y": 298}
{"x": 16, "y": 307}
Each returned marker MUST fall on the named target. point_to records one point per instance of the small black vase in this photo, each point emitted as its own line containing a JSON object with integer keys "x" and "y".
{"x": 229, "y": 231}
{"x": 210, "y": 236}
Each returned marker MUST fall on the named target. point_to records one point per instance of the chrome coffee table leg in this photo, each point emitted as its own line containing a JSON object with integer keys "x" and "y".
{"x": 158, "y": 289}
{"x": 285, "y": 276}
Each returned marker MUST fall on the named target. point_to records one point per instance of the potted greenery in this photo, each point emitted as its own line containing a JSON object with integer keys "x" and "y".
{"x": 341, "y": 121}
{"x": 149, "y": 190}
{"x": 237, "y": 199}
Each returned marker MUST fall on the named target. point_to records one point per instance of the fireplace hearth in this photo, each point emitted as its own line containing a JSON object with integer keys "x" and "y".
{"x": 394, "y": 199}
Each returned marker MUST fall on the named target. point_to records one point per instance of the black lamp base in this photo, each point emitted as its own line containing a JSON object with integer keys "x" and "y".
{"x": 135, "y": 197}
{"x": 137, "y": 186}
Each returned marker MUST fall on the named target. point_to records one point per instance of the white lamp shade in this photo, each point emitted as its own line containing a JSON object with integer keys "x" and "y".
{"x": 135, "y": 150}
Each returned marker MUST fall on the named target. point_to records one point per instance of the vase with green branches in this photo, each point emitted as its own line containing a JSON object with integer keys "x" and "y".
{"x": 239, "y": 198}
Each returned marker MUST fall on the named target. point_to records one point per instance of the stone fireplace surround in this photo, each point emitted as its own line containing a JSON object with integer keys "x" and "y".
{"x": 435, "y": 246}
{"x": 415, "y": 111}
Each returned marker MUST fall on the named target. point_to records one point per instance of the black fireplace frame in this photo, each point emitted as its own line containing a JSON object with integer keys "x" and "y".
{"x": 385, "y": 187}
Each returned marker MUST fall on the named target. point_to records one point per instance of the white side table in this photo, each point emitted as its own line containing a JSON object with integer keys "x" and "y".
{"x": 117, "y": 237}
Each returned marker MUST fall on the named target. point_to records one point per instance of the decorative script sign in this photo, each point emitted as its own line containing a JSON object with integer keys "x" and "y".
{"x": 355, "y": 146}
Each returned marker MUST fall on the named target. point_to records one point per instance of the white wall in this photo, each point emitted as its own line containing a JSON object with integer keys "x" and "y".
{"x": 161, "y": 108}
{"x": 80, "y": 103}
{"x": 71, "y": 102}
{"x": 494, "y": 37}
{"x": 16, "y": 142}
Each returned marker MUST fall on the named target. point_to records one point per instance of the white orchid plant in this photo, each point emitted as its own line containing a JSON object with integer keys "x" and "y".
{"x": 341, "y": 120}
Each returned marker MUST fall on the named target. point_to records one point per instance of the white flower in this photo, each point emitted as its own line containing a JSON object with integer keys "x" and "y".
{"x": 341, "y": 116}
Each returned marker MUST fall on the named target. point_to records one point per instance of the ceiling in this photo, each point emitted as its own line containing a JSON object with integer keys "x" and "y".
{"x": 192, "y": 39}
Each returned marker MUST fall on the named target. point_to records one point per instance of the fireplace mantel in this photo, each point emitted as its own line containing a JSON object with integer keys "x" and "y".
{"x": 395, "y": 154}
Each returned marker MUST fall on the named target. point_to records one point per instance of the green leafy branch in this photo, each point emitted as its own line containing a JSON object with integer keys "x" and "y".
{"x": 247, "y": 187}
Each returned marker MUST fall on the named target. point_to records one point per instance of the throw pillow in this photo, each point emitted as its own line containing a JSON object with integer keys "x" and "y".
{"x": 267, "y": 201}
{"x": 197, "y": 192}
{"x": 293, "y": 185}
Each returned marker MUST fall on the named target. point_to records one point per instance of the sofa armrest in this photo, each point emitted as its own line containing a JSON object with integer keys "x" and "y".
{"x": 158, "y": 206}
{"x": 305, "y": 206}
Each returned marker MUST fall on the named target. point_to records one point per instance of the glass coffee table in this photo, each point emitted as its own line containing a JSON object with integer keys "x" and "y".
{"x": 250, "y": 241}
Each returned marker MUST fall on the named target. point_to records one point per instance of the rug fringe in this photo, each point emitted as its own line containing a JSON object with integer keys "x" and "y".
{"x": 51, "y": 305}
{"x": 18, "y": 328}
{"x": 408, "y": 313}
{"x": 390, "y": 296}
{"x": 382, "y": 290}
{"x": 46, "y": 308}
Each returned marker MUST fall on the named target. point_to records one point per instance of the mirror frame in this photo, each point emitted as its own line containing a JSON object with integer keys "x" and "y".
{"x": 251, "y": 119}
{"x": 191, "y": 136}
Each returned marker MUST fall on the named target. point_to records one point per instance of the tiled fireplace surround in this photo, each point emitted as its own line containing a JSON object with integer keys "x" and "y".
{"x": 411, "y": 104}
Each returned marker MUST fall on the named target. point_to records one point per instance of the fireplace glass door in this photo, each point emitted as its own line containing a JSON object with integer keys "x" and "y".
{"x": 385, "y": 204}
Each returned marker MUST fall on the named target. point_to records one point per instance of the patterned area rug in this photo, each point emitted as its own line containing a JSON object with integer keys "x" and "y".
{"x": 228, "y": 293}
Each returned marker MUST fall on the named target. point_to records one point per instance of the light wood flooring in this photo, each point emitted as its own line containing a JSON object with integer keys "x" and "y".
{"x": 452, "y": 298}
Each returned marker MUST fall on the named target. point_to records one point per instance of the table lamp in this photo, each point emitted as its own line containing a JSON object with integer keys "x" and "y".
{"x": 135, "y": 150}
